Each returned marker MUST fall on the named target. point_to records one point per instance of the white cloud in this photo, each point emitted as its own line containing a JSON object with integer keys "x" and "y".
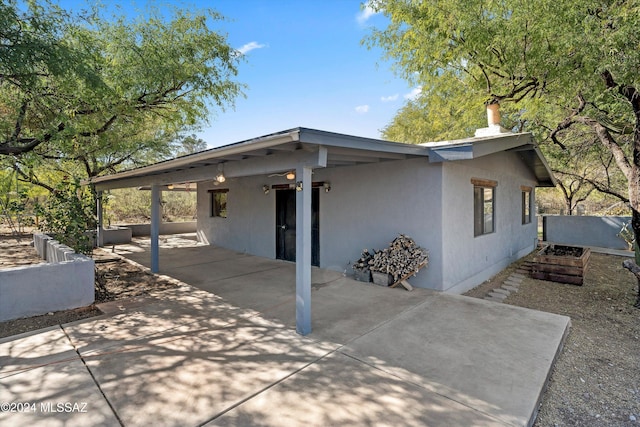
{"x": 366, "y": 13}
{"x": 250, "y": 46}
{"x": 362, "y": 109}
{"x": 389, "y": 98}
{"x": 414, "y": 93}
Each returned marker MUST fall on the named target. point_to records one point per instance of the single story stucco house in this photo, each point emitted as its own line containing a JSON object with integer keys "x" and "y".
{"x": 319, "y": 198}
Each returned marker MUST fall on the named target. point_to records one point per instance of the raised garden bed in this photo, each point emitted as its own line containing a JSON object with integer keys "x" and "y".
{"x": 562, "y": 264}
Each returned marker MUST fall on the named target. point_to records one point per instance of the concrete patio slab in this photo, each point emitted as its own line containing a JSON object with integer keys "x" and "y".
{"x": 228, "y": 354}
{"x": 43, "y": 382}
{"x": 188, "y": 378}
{"x": 492, "y": 357}
{"x": 342, "y": 391}
{"x": 34, "y": 349}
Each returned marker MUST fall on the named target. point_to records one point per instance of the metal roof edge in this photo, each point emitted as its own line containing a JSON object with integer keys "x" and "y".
{"x": 315, "y": 136}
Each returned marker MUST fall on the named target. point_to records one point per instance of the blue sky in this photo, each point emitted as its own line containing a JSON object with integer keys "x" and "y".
{"x": 305, "y": 66}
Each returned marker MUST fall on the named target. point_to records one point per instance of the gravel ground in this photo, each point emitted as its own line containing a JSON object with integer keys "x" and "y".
{"x": 596, "y": 380}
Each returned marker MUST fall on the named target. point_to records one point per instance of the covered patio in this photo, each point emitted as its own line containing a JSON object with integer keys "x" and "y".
{"x": 342, "y": 310}
{"x": 297, "y": 152}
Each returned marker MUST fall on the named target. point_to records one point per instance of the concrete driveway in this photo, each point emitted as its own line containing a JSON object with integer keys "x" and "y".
{"x": 221, "y": 349}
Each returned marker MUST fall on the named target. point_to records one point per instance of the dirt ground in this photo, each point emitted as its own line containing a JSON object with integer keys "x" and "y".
{"x": 596, "y": 380}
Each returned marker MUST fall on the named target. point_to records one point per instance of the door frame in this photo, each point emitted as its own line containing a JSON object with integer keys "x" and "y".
{"x": 282, "y": 192}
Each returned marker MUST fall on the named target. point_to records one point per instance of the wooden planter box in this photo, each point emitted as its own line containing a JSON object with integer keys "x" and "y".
{"x": 569, "y": 268}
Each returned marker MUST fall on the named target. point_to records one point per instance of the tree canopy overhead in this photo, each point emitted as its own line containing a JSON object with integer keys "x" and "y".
{"x": 558, "y": 67}
{"x": 76, "y": 86}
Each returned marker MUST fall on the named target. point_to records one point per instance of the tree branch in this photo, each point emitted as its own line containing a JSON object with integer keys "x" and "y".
{"x": 30, "y": 178}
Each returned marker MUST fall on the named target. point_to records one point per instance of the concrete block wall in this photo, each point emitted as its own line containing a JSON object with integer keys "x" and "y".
{"x": 165, "y": 228}
{"x": 42, "y": 288}
{"x": 40, "y": 244}
{"x": 117, "y": 235}
{"x": 57, "y": 252}
{"x": 595, "y": 231}
{"x": 65, "y": 282}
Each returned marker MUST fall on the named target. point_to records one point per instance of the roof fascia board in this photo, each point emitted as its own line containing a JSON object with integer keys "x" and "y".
{"x": 468, "y": 149}
{"x": 331, "y": 139}
{"x": 452, "y": 153}
{"x": 552, "y": 181}
{"x": 274, "y": 163}
{"x": 239, "y": 148}
{"x": 487, "y": 147}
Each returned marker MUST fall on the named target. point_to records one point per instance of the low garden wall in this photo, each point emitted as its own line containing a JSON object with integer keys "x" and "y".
{"x": 594, "y": 231}
{"x": 165, "y": 228}
{"x": 66, "y": 281}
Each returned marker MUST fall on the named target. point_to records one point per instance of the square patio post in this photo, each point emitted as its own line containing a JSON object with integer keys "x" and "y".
{"x": 100, "y": 228}
{"x": 303, "y": 250}
{"x": 155, "y": 227}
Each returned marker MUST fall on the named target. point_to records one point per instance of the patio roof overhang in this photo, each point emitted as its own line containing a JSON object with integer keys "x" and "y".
{"x": 268, "y": 154}
{"x": 300, "y": 150}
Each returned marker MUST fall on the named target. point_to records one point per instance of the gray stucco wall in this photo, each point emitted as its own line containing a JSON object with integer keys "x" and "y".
{"x": 250, "y": 223}
{"x": 598, "y": 231}
{"x": 469, "y": 260}
{"x": 369, "y": 205}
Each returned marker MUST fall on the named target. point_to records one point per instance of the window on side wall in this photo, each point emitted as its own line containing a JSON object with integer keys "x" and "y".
{"x": 526, "y": 204}
{"x": 219, "y": 203}
{"x": 484, "y": 213}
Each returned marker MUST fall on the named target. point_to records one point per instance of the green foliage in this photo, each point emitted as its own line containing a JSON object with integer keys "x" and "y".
{"x": 68, "y": 217}
{"x": 130, "y": 205}
{"x": 565, "y": 70}
{"x": 188, "y": 145}
{"x": 106, "y": 92}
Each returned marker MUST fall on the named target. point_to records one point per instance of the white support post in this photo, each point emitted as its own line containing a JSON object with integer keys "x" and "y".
{"x": 303, "y": 251}
{"x": 100, "y": 230}
{"x": 155, "y": 227}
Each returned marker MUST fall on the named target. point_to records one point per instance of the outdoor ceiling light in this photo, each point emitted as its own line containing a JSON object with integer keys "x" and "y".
{"x": 220, "y": 176}
{"x": 290, "y": 175}
{"x": 170, "y": 187}
{"x": 265, "y": 188}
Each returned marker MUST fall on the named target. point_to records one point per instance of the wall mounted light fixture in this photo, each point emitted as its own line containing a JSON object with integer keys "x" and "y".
{"x": 299, "y": 186}
{"x": 327, "y": 187}
{"x": 266, "y": 189}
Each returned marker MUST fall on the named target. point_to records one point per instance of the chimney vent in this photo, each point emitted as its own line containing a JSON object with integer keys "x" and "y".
{"x": 493, "y": 122}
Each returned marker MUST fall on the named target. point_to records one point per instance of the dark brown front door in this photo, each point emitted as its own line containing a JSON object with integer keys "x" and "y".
{"x": 286, "y": 225}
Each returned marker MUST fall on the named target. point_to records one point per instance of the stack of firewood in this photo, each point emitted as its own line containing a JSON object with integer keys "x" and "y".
{"x": 363, "y": 262}
{"x": 403, "y": 257}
